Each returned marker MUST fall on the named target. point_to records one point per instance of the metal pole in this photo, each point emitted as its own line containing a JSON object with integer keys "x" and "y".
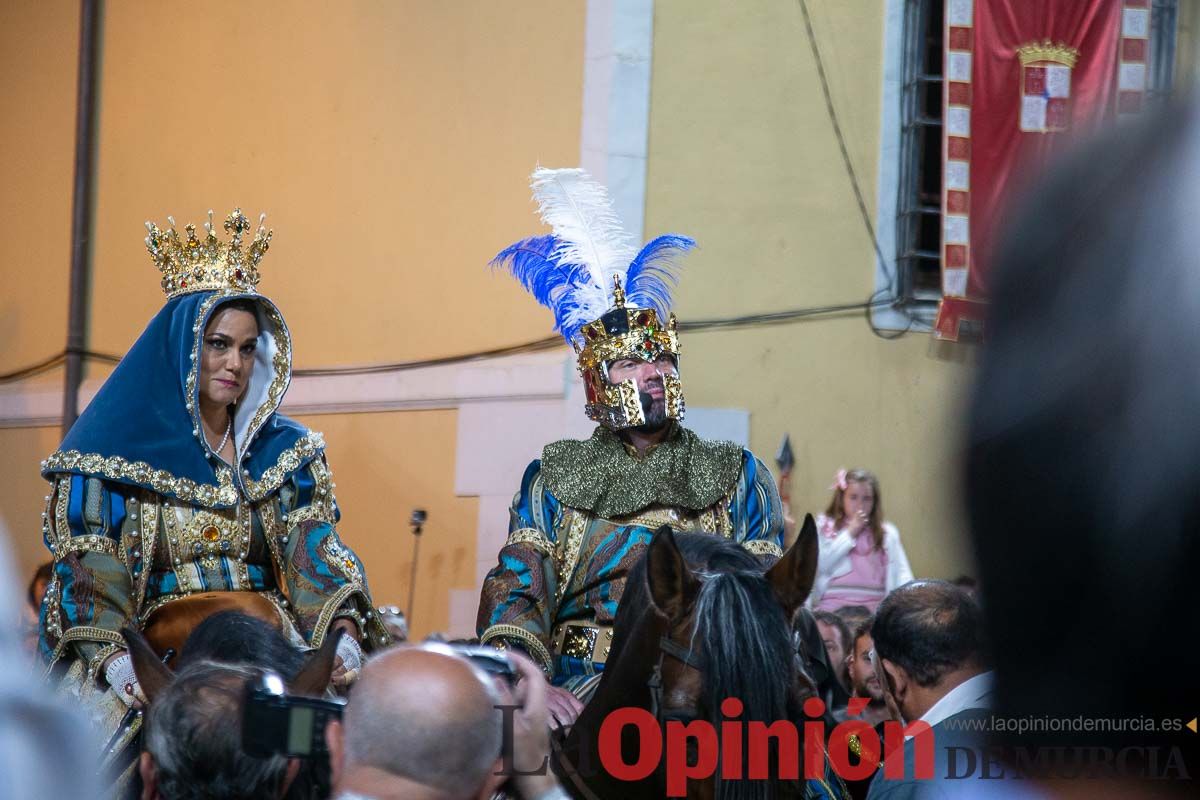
{"x": 417, "y": 522}
{"x": 412, "y": 578}
{"x": 81, "y": 210}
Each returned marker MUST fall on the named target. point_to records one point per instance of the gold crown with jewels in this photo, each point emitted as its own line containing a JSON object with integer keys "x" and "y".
{"x": 209, "y": 264}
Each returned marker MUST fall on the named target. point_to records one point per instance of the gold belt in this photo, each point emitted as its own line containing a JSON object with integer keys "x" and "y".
{"x": 583, "y": 640}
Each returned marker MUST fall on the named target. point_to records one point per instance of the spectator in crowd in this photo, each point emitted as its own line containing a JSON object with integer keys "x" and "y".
{"x": 1083, "y": 460}
{"x": 835, "y": 635}
{"x": 193, "y": 744}
{"x": 424, "y": 723}
{"x": 928, "y": 638}
{"x": 861, "y": 555}
{"x": 853, "y": 616}
{"x": 864, "y": 682}
{"x": 29, "y": 613}
{"x": 38, "y": 584}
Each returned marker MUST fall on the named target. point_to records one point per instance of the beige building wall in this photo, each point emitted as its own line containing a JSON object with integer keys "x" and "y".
{"x": 742, "y": 155}
{"x": 388, "y": 141}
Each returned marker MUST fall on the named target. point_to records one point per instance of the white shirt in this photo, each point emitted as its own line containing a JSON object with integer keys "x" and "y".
{"x": 971, "y": 693}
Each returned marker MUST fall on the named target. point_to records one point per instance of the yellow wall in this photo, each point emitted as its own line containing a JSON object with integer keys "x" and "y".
{"x": 37, "y": 134}
{"x": 384, "y": 466}
{"x": 742, "y": 155}
{"x": 390, "y": 142}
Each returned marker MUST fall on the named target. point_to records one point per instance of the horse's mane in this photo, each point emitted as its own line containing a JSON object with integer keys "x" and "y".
{"x": 231, "y": 637}
{"x": 740, "y": 627}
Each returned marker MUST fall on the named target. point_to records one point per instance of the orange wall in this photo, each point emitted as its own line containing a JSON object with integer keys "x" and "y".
{"x": 390, "y": 143}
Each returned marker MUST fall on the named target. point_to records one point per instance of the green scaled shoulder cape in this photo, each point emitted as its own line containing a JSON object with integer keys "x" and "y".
{"x": 599, "y": 475}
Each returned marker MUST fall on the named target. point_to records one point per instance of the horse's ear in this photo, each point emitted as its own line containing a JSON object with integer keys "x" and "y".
{"x": 792, "y": 576}
{"x": 673, "y": 587}
{"x": 313, "y": 677}
{"x": 152, "y": 673}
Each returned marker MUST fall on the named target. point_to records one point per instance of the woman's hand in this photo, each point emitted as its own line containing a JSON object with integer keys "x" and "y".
{"x": 348, "y": 663}
{"x": 119, "y": 674}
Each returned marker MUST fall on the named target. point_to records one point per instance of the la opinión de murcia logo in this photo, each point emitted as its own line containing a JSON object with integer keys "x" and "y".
{"x": 781, "y": 750}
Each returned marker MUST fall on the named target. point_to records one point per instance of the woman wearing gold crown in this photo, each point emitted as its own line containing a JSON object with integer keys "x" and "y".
{"x": 181, "y": 492}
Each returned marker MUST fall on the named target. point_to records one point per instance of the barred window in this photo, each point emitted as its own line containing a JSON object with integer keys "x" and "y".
{"x": 918, "y": 228}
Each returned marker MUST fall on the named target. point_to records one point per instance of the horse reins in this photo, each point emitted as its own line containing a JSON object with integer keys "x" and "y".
{"x": 666, "y": 647}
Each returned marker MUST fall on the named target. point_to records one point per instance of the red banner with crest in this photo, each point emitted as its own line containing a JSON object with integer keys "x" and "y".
{"x": 1021, "y": 77}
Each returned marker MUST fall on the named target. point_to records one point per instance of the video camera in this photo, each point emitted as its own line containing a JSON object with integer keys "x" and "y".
{"x": 276, "y": 723}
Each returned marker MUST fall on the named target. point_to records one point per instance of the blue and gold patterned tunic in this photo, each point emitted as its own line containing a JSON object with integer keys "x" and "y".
{"x": 143, "y": 513}
{"x": 587, "y": 510}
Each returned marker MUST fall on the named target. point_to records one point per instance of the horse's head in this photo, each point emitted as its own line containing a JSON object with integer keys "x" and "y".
{"x": 727, "y": 634}
{"x": 310, "y": 680}
{"x": 728, "y": 621}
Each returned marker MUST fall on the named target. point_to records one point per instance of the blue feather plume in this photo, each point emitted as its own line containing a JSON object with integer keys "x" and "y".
{"x": 654, "y": 272}
{"x": 535, "y": 263}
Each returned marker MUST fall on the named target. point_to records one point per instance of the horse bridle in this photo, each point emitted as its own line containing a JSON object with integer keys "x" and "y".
{"x": 668, "y": 647}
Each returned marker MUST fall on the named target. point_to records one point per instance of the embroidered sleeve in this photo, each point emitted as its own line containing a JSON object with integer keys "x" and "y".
{"x": 323, "y": 579}
{"x": 517, "y": 604}
{"x": 90, "y": 595}
{"x": 755, "y": 510}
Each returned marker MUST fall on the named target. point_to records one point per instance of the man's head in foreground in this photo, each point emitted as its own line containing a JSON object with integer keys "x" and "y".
{"x": 193, "y": 746}
{"x": 422, "y": 722}
{"x": 928, "y": 639}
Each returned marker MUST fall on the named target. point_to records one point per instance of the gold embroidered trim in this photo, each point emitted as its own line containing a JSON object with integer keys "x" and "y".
{"x": 272, "y": 595}
{"x": 313, "y": 512}
{"x": 567, "y": 561}
{"x": 101, "y": 656}
{"x": 91, "y": 543}
{"x": 63, "y": 528}
{"x": 341, "y": 558}
{"x": 197, "y": 339}
{"x": 163, "y": 482}
{"x": 275, "y": 533}
{"x": 141, "y": 473}
{"x": 532, "y": 537}
{"x": 53, "y": 603}
{"x": 331, "y": 607}
{"x": 289, "y": 461}
{"x": 87, "y": 633}
{"x": 158, "y": 603}
{"x": 149, "y": 536}
{"x": 532, "y": 643}
{"x": 282, "y": 362}
{"x": 334, "y": 608}
{"x": 762, "y": 547}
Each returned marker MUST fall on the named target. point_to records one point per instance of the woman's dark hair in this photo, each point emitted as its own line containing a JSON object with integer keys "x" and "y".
{"x": 238, "y": 303}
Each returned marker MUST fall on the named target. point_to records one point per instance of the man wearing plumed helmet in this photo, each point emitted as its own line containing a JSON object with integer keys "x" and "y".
{"x": 586, "y": 509}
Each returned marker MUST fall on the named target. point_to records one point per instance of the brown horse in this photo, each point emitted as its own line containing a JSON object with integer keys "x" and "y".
{"x": 700, "y": 622}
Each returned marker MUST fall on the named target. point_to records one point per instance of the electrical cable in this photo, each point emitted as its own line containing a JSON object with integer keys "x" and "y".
{"x": 888, "y": 273}
{"x": 537, "y": 345}
{"x": 550, "y": 342}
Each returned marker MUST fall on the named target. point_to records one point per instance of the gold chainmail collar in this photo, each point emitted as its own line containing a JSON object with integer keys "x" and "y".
{"x": 600, "y": 476}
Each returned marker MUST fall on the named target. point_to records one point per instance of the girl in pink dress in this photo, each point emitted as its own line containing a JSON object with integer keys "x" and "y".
{"x": 861, "y": 555}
